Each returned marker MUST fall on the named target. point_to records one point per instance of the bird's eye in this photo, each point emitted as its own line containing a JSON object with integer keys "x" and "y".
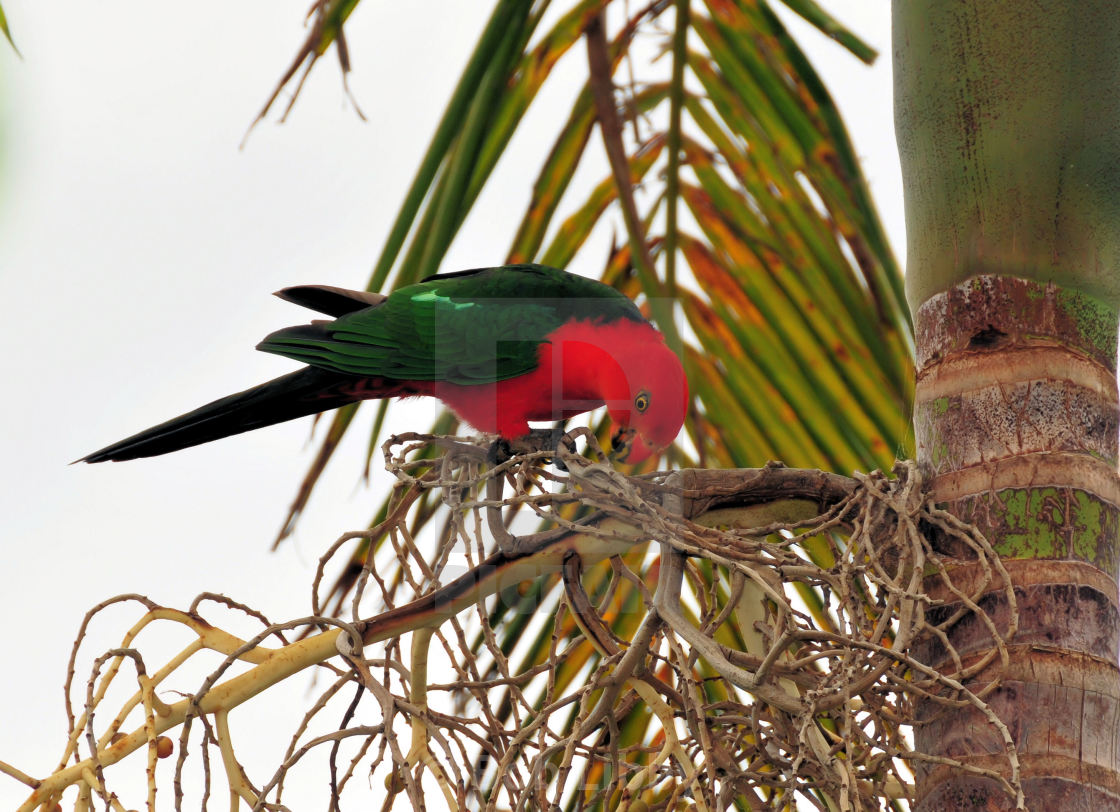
{"x": 641, "y": 402}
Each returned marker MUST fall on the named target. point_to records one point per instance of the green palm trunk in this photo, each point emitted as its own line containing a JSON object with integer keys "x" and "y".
{"x": 1007, "y": 126}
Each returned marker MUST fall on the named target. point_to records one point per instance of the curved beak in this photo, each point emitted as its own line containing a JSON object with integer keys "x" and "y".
{"x": 627, "y": 447}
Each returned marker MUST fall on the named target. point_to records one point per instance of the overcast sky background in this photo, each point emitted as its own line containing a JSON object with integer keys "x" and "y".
{"x": 138, "y": 248}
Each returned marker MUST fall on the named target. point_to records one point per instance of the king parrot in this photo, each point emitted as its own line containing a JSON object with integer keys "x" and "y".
{"x": 500, "y": 346}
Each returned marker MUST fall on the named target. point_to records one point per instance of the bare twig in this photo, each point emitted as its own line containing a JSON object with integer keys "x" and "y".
{"x": 772, "y": 656}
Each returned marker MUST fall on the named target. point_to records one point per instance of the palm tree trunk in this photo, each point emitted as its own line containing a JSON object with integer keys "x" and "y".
{"x": 1008, "y": 119}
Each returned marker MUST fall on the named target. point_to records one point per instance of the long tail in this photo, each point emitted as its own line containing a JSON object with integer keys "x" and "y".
{"x": 297, "y": 394}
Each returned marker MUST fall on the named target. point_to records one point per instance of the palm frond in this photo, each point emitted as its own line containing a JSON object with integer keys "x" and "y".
{"x": 735, "y": 162}
{"x": 7, "y": 31}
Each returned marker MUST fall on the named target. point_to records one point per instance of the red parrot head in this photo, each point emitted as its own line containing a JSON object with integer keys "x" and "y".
{"x": 649, "y": 417}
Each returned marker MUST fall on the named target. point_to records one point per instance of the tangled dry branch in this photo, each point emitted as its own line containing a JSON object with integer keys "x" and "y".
{"x": 576, "y": 637}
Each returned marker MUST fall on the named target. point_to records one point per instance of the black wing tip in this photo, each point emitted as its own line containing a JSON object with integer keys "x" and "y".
{"x": 333, "y": 301}
{"x": 277, "y": 341}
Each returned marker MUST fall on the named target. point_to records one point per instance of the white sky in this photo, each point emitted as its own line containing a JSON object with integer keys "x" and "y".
{"x": 138, "y": 247}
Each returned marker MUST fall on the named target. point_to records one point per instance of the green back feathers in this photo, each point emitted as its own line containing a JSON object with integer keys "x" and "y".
{"x": 469, "y": 327}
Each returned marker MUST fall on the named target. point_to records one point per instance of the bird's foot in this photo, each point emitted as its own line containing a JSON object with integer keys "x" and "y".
{"x": 536, "y": 441}
{"x": 500, "y": 451}
{"x": 557, "y": 437}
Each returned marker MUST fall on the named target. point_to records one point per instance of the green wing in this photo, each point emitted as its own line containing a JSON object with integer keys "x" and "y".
{"x": 469, "y": 327}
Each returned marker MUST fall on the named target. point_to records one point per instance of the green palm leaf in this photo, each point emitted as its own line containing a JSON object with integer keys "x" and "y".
{"x": 6, "y": 30}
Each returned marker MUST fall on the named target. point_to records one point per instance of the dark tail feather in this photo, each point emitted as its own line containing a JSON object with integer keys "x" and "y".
{"x": 295, "y": 395}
